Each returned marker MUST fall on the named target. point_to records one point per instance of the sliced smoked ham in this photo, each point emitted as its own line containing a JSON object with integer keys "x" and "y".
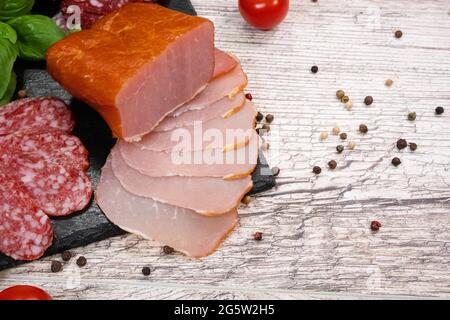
{"x": 205, "y": 135}
{"x": 231, "y": 164}
{"x": 224, "y": 63}
{"x": 136, "y": 65}
{"x": 182, "y": 229}
{"x": 205, "y": 195}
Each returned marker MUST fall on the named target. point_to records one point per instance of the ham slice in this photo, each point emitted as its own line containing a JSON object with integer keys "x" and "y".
{"x": 224, "y": 63}
{"x": 229, "y": 85}
{"x": 136, "y": 65}
{"x": 205, "y": 195}
{"x": 232, "y": 164}
{"x": 182, "y": 229}
{"x": 196, "y": 137}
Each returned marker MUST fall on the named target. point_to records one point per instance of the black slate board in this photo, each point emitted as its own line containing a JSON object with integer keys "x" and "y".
{"x": 91, "y": 225}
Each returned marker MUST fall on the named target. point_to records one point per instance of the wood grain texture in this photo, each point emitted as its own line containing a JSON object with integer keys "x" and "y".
{"x": 317, "y": 242}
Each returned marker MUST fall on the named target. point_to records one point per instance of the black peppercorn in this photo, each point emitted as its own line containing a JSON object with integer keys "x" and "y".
{"x": 146, "y": 271}
{"x": 368, "y": 100}
{"x": 396, "y": 162}
{"x": 317, "y": 170}
{"x": 259, "y": 116}
{"x": 314, "y": 69}
{"x": 66, "y": 255}
{"x": 363, "y": 128}
{"x": 413, "y": 146}
{"x": 340, "y": 148}
{"x": 269, "y": 118}
{"x": 275, "y": 171}
{"x": 375, "y": 225}
{"x": 412, "y": 116}
{"x": 402, "y": 144}
{"x": 258, "y": 236}
{"x": 398, "y": 34}
{"x": 343, "y": 136}
{"x": 249, "y": 96}
{"x": 332, "y": 164}
{"x": 168, "y": 250}
{"x": 340, "y": 94}
{"x": 439, "y": 110}
{"x": 56, "y": 266}
{"x": 345, "y": 99}
{"x": 81, "y": 261}
{"x": 265, "y": 127}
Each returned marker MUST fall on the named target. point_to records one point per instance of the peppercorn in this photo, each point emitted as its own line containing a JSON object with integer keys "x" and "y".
{"x": 439, "y": 110}
{"x": 269, "y": 118}
{"x": 352, "y": 145}
{"x": 332, "y": 164}
{"x": 363, "y": 128}
{"x": 249, "y": 96}
{"x": 81, "y": 261}
{"x": 265, "y": 146}
{"x": 258, "y": 236}
{"x": 66, "y": 255}
{"x": 259, "y": 116}
{"x": 168, "y": 250}
{"x": 375, "y": 225}
{"x": 349, "y": 105}
{"x": 389, "y": 82}
{"x": 323, "y": 135}
{"x": 266, "y": 127}
{"x": 398, "y": 34}
{"x": 314, "y": 69}
{"x": 275, "y": 171}
{"x": 22, "y": 94}
{"x": 146, "y": 271}
{"x": 343, "y": 136}
{"x": 396, "y": 162}
{"x": 257, "y": 131}
{"x": 413, "y": 146}
{"x": 336, "y": 131}
{"x": 56, "y": 266}
{"x": 314, "y": 1}
{"x": 412, "y": 116}
{"x": 401, "y": 144}
{"x": 340, "y": 94}
{"x": 246, "y": 200}
{"x": 368, "y": 100}
{"x": 317, "y": 170}
{"x": 345, "y": 99}
{"x": 340, "y": 148}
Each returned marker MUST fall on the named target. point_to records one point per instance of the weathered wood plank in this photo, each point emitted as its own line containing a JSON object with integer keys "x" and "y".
{"x": 317, "y": 242}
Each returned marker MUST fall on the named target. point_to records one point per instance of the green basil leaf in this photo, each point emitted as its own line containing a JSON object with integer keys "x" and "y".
{"x": 14, "y": 8}
{"x": 6, "y": 32}
{"x": 35, "y": 34}
{"x": 8, "y": 55}
{"x": 9, "y": 90}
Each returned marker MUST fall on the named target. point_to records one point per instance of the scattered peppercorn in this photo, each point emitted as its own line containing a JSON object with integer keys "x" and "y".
{"x": 332, "y": 164}
{"x": 389, "y": 82}
{"x": 168, "y": 250}
{"x": 396, "y": 162}
{"x": 66, "y": 255}
{"x": 401, "y": 144}
{"x": 398, "y": 34}
{"x": 352, "y": 145}
{"x": 323, "y": 135}
{"x": 246, "y": 200}
{"x": 340, "y": 94}
{"x": 257, "y": 131}
{"x": 314, "y": 69}
{"x": 316, "y": 1}
{"x": 375, "y": 225}
{"x": 265, "y": 127}
{"x": 146, "y": 271}
{"x": 340, "y": 148}
{"x": 343, "y": 136}
{"x": 439, "y": 110}
{"x": 259, "y": 116}
{"x": 249, "y": 96}
{"x": 269, "y": 118}
{"x": 349, "y": 105}
{"x": 81, "y": 261}
{"x": 336, "y": 131}
{"x": 368, "y": 100}
{"x": 275, "y": 171}
{"x": 413, "y": 146}
{"x": 56, "y": 266}
{"x": 412, "y": 116}
{"x": 317, "y": 170}
{"x": 265, "y": 146}
{"x": 22, "y": 94}
{"x": 345, "y": 99}
{"x": 258, "y": 236}
{"x": 363, "y": 128}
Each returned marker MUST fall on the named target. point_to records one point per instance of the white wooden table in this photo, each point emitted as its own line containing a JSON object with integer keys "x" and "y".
{"x": 317, "y": 242}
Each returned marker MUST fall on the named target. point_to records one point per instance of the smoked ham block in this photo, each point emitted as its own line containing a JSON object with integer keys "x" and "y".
{"x": 136, "y": 65}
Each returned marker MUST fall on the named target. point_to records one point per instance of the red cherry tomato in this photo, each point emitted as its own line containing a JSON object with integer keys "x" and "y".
{"x": 264, "y": 14}
{"x": 24, "y": 293}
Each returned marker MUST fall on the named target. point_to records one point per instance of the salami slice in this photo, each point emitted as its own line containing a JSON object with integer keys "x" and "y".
{"x": 54, "y": 189}
{"x": 54, "y": 145}
{"x": 35, "y": 114}
{"x": 26, "y": 232}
